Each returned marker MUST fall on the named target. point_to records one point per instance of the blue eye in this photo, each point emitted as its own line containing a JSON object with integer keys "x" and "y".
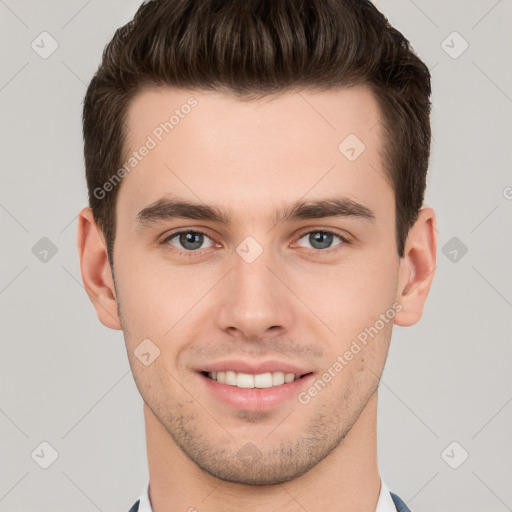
{"x": 321, "y": 240}
{"x": 188, "y": 240}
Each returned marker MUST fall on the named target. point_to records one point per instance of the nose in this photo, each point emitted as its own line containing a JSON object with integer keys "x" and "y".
{"x": 255, "y": 303}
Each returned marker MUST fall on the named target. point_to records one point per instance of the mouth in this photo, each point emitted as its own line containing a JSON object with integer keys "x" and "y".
{"x": 250, "y": 381}
{"x": 252, "y": 388}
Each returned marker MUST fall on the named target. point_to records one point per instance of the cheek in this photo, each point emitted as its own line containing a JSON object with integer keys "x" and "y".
{"x": 350, "y": 297}
{"x": 147, "y": 301}
{"x": 162, "y": 304}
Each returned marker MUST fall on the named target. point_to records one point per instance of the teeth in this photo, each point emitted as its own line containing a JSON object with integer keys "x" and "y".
{"x": 263, "y": 380}
{"x": 247, "y": 380}
{"x": 244, "y": 380}
{"x": 230, "y": 378}
{"x": 277, "y": 378}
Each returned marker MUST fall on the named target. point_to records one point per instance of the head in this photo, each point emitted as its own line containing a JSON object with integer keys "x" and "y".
{"x": 256, "y": 174}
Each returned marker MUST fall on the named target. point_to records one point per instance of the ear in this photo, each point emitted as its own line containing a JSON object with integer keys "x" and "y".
{"x": 95, "y": 269}
{"x": 417, "y": 266}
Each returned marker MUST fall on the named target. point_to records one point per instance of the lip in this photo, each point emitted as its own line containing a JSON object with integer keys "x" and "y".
{"x": 238, "y": 365}
{"x": 255, "y": 399}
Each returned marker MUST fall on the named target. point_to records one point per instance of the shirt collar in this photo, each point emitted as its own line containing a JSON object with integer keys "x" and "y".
{"x": 385, "y": 503}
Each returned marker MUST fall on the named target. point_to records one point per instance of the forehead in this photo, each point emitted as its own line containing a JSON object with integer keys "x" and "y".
{"x": 214, "y": 148}
{"x": 306, "y": 113}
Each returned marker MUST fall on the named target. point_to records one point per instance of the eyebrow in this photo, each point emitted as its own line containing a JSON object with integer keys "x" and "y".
{"x": 168, "y": 208}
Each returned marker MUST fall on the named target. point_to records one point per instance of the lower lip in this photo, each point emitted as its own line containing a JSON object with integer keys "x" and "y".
{"x": 256, "y": 399}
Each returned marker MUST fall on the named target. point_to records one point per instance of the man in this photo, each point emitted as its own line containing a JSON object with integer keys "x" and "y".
{"x": 256, "y": 175}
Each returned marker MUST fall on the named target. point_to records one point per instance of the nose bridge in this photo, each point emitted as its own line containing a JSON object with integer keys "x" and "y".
{"x": 254, "y": 300}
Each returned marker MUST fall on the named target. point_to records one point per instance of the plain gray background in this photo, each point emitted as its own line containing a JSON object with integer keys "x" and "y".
{"x": 446, "y": 392}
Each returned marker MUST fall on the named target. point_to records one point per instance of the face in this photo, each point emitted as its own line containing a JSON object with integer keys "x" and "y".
{"x": 284, "y": 260}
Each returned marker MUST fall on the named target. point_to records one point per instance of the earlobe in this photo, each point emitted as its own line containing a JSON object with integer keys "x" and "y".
{"x": 417, "y": 268}
{"x": 95, "y": 269}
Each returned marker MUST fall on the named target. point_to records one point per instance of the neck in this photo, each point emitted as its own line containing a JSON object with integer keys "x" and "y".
{"x": 347, "y": 479}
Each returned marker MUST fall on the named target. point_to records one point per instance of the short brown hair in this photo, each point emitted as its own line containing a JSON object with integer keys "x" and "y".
{"x": 254, "y": 48}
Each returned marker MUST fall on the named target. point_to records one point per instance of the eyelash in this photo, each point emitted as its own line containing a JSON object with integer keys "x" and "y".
{"x": 192, "y": 254}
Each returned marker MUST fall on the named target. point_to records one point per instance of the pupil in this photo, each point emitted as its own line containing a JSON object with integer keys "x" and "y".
{"x": 191, "y": 240}
{"x": 320, "y": 240}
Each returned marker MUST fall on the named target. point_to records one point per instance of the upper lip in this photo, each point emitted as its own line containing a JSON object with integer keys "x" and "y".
{"x": 254, "y": 367}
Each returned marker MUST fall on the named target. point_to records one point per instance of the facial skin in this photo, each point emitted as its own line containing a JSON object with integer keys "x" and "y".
{"x": 296, "y": 302}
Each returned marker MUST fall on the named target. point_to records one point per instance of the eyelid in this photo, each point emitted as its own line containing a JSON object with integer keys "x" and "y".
{"x": 335, "y": 231}
{"x": 178, "y": 231}
{"x": 344, "y": 237}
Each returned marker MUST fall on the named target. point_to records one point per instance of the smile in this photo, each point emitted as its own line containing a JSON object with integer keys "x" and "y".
{"x": 248, "y": 381}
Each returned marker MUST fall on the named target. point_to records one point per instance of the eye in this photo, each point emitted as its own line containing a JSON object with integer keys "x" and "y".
{"x": 188, "y": 241}
{"x": 322, "y": 239}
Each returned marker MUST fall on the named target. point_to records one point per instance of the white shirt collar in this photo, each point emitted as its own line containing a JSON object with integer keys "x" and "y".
{"x": 144, "y": 503}
{"x": 385, "y": 503}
